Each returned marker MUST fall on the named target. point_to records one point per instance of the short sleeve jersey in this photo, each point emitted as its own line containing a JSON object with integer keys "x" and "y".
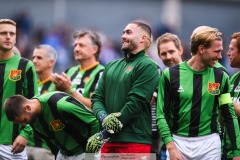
{"x": 17, "y": 76}
{"x": 85, "y": 81}
{"x": 68, "y": 123}
{"x": 188, "y": 103}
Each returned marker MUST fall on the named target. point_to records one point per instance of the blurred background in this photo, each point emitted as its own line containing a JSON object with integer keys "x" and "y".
{"x": 54, "y": 22}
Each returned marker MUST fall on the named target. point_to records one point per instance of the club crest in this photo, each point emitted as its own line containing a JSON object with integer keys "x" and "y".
{"x": 129, "y": 69}
{"x": 57, "y": 125}
{"x": 15, "y": 75}
{"x": 214, "y": 88}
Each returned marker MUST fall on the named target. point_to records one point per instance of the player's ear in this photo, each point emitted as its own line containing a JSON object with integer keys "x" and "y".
{"x": 27, "y": 107}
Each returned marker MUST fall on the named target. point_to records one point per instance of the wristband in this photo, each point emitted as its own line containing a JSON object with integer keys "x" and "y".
{"x": 105, "y": 134}
{"x": 70, "y": 92}
{"x": 102, "y": 117}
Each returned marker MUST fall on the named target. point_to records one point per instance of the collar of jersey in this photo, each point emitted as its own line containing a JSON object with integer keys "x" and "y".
{"x": 44, "y": 81}
{"x": 132, "y": 57}
{"x": 89, "y": 67}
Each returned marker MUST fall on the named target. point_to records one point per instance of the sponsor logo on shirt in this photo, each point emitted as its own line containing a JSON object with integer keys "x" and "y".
{"x": 57, "y": 125}
{"x": 15, "y": 75}
{"x": 213, "y": 88}
{"x": 237, "y": 89}
{"x": 180, "y": 89}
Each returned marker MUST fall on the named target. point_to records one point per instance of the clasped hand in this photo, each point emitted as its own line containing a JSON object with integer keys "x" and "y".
{"x": 111, "y": 123}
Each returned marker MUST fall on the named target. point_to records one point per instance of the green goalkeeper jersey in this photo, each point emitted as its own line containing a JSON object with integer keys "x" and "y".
{"x": 65, "y": 122}
{"x": 17, "y": 76}
{"x": 189, "y": 102}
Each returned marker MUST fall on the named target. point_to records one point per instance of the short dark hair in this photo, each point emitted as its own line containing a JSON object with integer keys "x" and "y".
{"x": 144, "y": 27}
{"x": 147, "y": 29}
{"x": 237, "y": 37}
{"x": 13, "y": 106}
{"x": 95, "y": 38}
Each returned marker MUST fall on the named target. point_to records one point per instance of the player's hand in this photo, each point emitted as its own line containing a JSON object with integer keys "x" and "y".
{"x": 236, "y": 158}
{"x": 95, "y": 143}
{"x": 19, "y": 144}
{"x": 62, "y": 82}
{"x": 174, "y": 153}
{"x": 111, "y": 123}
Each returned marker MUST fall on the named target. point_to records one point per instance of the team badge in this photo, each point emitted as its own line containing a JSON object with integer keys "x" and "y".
{"x": 214, "y": 88}
{"x": 15, "y": 75}
{"x": 57, "y": 125}
{"x": 129, "y": 68}
{"x": 86, "y": 79}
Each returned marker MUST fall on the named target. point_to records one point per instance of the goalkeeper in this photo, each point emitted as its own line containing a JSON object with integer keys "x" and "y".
{"x": 121, "y": 100}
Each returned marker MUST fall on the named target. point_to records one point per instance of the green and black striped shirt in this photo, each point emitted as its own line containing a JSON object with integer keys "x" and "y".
{"x": 17, "y": 76}
{"x": 227, "y": 150}
{"x": 35, "y": 139}
{"x": 65, "y": 122}
{"x": 188, "y": 103}
{"x": 84, "y": 81}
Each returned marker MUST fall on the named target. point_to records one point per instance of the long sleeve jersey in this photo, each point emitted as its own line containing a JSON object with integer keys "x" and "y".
{"x": 65, "y": 122}
{"x": 127, "y": 86}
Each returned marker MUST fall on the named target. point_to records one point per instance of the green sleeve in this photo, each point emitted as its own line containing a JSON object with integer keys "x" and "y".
{"x": 26, "y": 131}
{"x": 163, "y": 101}
{"x": 83, "y": 115}
{"x": 98, "y": 98}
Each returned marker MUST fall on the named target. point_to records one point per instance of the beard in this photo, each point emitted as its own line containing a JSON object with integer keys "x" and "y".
{"x": 131, "y": 46}
{"x": 32, "y": 118}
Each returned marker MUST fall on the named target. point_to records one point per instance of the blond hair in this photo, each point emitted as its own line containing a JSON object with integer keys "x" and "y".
{"x": 204, "y": 37}
{"x": 7, "y": 21}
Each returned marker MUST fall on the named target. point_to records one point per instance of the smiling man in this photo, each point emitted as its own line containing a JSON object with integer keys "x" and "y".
{"x": 121, "y": 101}
{"x": 190, "y": 97}
{"x": 169, "y": 49}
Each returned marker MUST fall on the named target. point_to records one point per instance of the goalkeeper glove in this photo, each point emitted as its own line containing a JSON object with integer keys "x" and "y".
{"x": 111, "y": 123}
{"x": 96, "y": 141}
